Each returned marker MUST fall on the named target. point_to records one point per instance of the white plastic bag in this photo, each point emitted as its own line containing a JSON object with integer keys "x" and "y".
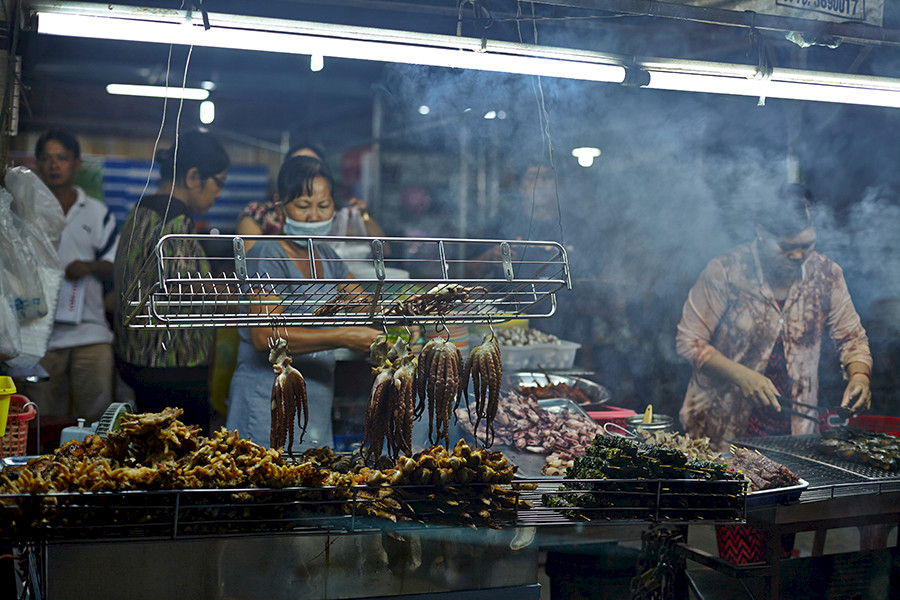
{"x": 349, "y": 222}
{"x": 35, "y": 203}
{"x": 40, "y": 222}
{"x": 23, "y": 291}
{"x": 10, "y": 339}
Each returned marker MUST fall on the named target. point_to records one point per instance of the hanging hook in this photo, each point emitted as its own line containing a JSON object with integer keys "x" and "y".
{"x": 491, "y": 327}
{"x": 446, "y": 329}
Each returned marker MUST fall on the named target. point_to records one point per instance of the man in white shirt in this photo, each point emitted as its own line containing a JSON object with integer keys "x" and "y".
{"x": 79, "y": 358}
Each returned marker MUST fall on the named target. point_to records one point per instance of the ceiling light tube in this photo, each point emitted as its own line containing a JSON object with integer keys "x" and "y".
{"x": 157, "y": 91}
{"x": 354, "y": 43}
{"x": 771, "y": 88}
{"x": 242, "y": 32}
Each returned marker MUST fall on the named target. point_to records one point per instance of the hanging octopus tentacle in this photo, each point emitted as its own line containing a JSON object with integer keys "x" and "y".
{"x": 486, "y": 370}
{"x": 392, "y": 404}
{"x": 288, "y": 398}
{"x": 438, "y": 377}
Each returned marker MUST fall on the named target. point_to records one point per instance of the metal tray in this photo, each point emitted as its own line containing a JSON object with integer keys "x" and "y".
{"x": 782, "y": 495}
{"x": 595, "y": 391}
{"x": 555, "y": 405}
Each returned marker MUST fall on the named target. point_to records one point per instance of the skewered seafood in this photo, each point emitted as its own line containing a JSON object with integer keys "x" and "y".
{"x": 439, "y": 300}
{"x": 486, "y": 370}
{"x": 440, "y": 371}
{"x": 389, "y": 413}
{"x": 880, "y": 450}
{"x": 288, "y": 397}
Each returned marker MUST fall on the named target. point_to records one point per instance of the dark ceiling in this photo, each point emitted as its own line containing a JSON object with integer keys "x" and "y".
{"x": 261, "y": 95}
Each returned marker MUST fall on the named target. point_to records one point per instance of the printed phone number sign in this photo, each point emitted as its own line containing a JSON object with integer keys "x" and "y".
{"x": 870, "y": 12}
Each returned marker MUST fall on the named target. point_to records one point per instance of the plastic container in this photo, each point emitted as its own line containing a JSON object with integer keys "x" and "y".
{"x": 14, "y": 441}
{"x": 880, "y": 424}
{"x": 659, "y": 423}
{"x": 7, "y": 389}
{"x": 558, "y": 357}
{"x": 740, "y": 544}
{"x": 611, "y": 414}
{"x": 77, "y": 432}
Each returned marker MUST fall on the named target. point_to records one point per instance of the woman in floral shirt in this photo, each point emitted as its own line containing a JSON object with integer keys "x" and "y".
{"x": 752, "y": 329}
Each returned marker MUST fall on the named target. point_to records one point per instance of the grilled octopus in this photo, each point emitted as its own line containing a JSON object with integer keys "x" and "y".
{"x": 438, "y": 378}
{"x": 389, "y": 412}
{"x": 288, "y": 397}
{"x": 483, "y": 364}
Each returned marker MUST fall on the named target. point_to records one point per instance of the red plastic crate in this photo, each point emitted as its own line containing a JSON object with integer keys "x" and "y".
{"x": 611, "y": 414}
{"x": 880, "y": 424}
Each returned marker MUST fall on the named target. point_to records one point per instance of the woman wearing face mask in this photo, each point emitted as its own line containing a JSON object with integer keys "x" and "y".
{"x": 267, "y": 218}
{"x": 305, "y": 193}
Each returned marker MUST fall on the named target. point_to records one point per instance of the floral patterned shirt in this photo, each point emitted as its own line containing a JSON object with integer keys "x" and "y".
{"x": 267, "y": 215}
{"x": 731, "y": 310}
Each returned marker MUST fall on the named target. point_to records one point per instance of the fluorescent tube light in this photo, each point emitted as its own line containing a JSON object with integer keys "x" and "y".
{"x": 157, "y": 91}
{"x": 792, "y": 84}
{"x": 769, "y": 88}
{"x": 240, "y": 32}
{"x": 331, "y": 41}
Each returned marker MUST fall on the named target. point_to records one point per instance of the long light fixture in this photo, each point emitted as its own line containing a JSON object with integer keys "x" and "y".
{"x": 157, "y": 91}
{"x": 794, "y": 84}
{"x": 296, "y": 37}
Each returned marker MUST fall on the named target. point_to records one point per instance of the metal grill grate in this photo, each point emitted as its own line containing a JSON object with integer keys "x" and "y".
{"x": 521, "y": 282}
{"x": 804, "y": 446}
{"x": 828, "y": 476}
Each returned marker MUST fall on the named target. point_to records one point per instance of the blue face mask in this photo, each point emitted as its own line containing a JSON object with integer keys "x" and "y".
{"x": 316, "y": 228}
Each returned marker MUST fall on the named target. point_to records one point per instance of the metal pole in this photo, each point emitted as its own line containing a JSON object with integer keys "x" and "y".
{"x": 465, "y": 143}
{"x": 373, "y": 191}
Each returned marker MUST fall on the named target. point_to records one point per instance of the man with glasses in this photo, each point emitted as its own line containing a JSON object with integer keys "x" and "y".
{"x": 79, "y": 358}
{"x": 752, "y": 329}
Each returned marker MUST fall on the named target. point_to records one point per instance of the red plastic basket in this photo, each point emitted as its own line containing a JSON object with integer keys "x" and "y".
{"x": 611, "y": 414}
{"x": 13, "y": 443}
{"x": 877, "y": 423}
{"x": 740, "y": 544}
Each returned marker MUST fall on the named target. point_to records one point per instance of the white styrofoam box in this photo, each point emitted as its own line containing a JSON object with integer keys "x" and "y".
{"x": 559, "y": 356}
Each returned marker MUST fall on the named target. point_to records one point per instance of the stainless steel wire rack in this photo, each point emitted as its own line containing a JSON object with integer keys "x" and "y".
{"x": 395, "y": 281}
{"x": 192, "y": 513}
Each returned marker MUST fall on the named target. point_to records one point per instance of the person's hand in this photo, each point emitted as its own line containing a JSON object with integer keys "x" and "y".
{"x": 358, "y": 339}
{"x": 758, "y": 389}
{"x": 857, "y": 395}
{"x": 77, "y": 269}
{"x": 358, "y": 205}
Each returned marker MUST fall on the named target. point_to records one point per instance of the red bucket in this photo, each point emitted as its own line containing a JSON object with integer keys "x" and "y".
{"x": 740, "y": 544}
{"x": 13, "y": 443}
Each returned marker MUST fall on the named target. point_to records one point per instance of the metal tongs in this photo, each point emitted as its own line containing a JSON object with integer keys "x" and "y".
{"x": 842, "y": 411}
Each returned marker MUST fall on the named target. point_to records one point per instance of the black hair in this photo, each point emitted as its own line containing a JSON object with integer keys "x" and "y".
{"x": 296, "y": 177}
{"x": 65, "y": 138}
{"x": 316, "y": 147}
{"x": 195, "y": 149}
{"x": 790, "y": 213}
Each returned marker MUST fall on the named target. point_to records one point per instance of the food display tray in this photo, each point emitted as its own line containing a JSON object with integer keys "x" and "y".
{"x": 596, "y": 392}
{"x": 651, "y": 500}
{"x": 782, "y": 495}
{"x": 192, "y": 513}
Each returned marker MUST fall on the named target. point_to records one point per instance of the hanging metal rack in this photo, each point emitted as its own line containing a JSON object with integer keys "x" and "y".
{"x": 423, "y": 280}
